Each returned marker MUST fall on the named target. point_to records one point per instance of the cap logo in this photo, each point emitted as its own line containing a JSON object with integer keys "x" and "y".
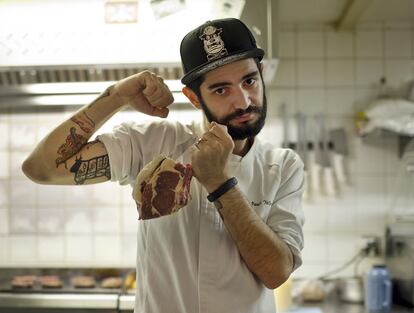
{"x": 213, "y": 44}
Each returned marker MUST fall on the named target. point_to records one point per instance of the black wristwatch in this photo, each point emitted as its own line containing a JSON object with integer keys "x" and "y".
{"x": 230, "y": 183}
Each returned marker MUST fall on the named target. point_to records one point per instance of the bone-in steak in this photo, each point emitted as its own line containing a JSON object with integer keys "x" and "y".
{"x": 162, "y": 187}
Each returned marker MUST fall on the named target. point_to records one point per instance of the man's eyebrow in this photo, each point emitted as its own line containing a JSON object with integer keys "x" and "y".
{"x": 224, "y": 83}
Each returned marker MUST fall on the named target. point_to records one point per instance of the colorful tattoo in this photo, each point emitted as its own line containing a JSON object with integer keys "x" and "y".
{"x": 106, "y": 93}
{"x": 89, "y": 169}
{"x": 84, "y": 122}
{"x": 73, "y": 144}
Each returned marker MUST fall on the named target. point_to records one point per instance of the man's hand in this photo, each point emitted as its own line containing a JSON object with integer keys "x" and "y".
{"x": 145, "y": 92}
{"x": 210, "y": 157}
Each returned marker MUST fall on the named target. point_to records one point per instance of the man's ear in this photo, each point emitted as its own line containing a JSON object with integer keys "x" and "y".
{"x": 192, "y": 97}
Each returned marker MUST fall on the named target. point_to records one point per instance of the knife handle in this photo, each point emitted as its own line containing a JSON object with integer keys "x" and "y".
{"x": 329, "y": 181}
{"x": 315, "y": 178}
{"x": 338, "y": 164}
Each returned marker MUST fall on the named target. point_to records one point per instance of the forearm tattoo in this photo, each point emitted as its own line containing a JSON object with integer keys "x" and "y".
{"x": 92, "y": 168}
{"x": 84, "y": 122}
{"x": 74, "y": 142}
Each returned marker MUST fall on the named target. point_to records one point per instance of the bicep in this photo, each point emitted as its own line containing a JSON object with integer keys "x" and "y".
{"x": 88, "y": 166}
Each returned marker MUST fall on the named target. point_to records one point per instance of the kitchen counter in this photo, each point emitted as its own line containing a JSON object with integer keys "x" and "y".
{"x": 110, "y": 301}
{"x": 333, "y": 305}
{"x": 125, "y": 302}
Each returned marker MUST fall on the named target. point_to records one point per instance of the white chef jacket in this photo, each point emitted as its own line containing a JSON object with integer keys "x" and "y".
{"x": 187, "y": 262}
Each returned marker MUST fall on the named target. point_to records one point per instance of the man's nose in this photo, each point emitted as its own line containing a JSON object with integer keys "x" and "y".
{"x": 242, "y": 99}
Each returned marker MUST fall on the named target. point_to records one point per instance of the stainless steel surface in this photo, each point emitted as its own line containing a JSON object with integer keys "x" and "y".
{"x": 333, "y": 305}
{"x": 351, "y": 290}
{"x": 67, "y": 301}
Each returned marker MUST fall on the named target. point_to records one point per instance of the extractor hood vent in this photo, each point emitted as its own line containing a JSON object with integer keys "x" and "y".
{"x": 13, "y": 76}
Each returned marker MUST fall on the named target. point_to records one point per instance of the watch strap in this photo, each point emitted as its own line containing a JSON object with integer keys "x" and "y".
{"x": 230, "y": 183}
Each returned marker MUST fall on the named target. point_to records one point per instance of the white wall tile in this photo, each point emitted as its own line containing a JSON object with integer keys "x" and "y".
{"x": 342, "y": 218}
{"x": 311, "y": 73}
{"x": 126, "y": 196}
{"x": 370, "y": 159}
{"x": 78, "y": 220}
{"x": 79, "y": 249}
{"x": 370, "y": 192}
{"x": 4, "y": 249}
{"x": 286, "y": 74}
{"x": 340, "y": 102}
{"x": 16, "y": 161}
{"x": 311, "y": 101}
{"x": 129, "y": 219}
{"x": 22, "y": 193}
{"x": 4, "y": 131}
{"x": 107, "y": 194}
{"x": 398, "y": 43}
{"x": 315, "y": 249}
{"x": 4, "y": 194}
{"x": 340, "y": 73}
{"x": 316, "y": 217}
{"x": 23, "y": 135}
{"x": 398, "y": 24}
{"x": 310, "y": 44}
{"x": 369, "y": 72}
{"x": 310, "y": 270}
{"x": 342, "y": 247}
{"x": 4, "y": 222}
{"x": 51, "y": 196}
{"x": 399, "y": 72}
{"x": 363, "y": 97}
{"x": 23, "y": 221}
{"x": 106, "y": 220}
{"x": 129, "y": 250}
{"x": 339, "y": 44}
{"x": 369, "y": 44}
{"x": 79, "y": 196}
{"x": 107, "y": 249}
{"x": 371, "y": 220}
{"x": 50, "y": 220}
{"x": 277, "y": 97}
{"x": 50, "y": 249}
{"x": 4, "y": 164}
{"x": 22, "y": 249}
{"x": 287, "y": 44}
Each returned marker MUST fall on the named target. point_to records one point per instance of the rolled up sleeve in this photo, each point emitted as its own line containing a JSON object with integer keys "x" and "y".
{"x": 286, "y": 217}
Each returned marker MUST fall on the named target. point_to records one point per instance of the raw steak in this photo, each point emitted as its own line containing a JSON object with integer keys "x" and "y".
{"x": 162, "y": 187}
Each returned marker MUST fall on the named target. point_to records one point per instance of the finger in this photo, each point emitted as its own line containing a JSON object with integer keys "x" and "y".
{"x": 219, "y": 130}
{"x": 211, "y": 137}
{"x": 157, "y": 93}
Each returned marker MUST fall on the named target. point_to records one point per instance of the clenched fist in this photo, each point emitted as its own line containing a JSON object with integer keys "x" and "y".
{"x": 210, "y": 157}
{"x": 145, "y": 92}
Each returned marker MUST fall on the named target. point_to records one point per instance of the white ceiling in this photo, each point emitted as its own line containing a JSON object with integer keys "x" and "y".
{"x": 330, "y": 11}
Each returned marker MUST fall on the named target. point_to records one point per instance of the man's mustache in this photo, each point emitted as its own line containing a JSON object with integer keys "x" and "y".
{"x": 240, "y": 112}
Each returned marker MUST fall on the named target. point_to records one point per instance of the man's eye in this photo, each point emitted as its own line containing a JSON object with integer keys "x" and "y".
{"x": 250, "y": 81}
{"x": 220, "y": 91}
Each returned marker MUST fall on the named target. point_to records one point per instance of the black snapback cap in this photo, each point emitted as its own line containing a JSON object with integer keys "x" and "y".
{"x": 216, "y": 43}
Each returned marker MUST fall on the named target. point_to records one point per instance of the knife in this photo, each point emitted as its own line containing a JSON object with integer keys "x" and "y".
{"x": 183, "y": 147}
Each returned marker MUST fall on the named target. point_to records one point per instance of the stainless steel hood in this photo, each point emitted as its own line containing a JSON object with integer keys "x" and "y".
{"x": 46, "y": 88}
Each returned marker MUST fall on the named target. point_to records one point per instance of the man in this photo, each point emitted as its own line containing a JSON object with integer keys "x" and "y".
{"x": 218, "y": 254}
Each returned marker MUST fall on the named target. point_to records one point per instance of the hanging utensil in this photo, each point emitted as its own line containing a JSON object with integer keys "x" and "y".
{"x": 327, "y": 172}
{"x": 340, "y": 151}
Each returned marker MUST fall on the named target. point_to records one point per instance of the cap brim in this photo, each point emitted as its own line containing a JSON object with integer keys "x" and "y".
{"x": 202, "y": 69}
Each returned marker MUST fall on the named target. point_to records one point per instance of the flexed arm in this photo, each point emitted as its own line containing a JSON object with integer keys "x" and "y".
{"x": 65, "y": 156}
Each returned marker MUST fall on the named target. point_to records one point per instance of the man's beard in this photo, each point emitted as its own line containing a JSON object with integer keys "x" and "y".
{"x": 244, "y": 131}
